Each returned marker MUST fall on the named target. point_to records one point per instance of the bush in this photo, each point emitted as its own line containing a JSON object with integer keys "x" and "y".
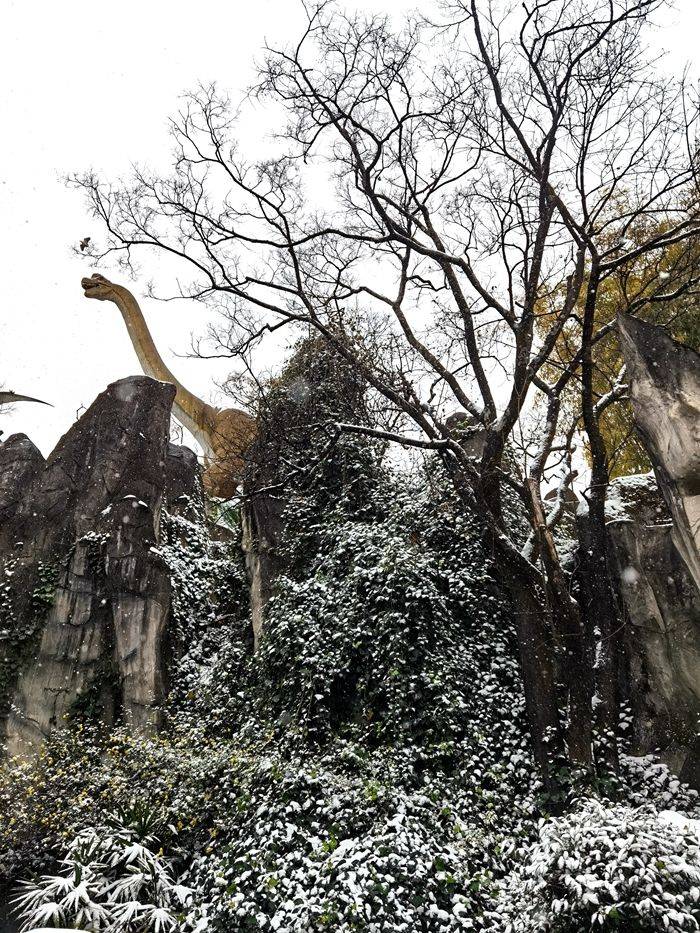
{"x": 112, "y": 877}
{"x": 84, "y": 772}
{"x": 607, "y": 868}
{"x": 316, "y": 849}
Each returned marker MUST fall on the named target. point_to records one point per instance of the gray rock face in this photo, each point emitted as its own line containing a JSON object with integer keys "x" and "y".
{"x": 182, "y": 478}
{"x": 662, "y": 625}
{"x": 20, "y": 464}
{"x": 85, "y": 606}
{"x": 664, "y": 379}
{"x": 261, "y": 520}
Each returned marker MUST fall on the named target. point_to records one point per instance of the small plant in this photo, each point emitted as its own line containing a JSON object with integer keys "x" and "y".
{"x": 44, "y": 592}
{"x": 113, "y": 877}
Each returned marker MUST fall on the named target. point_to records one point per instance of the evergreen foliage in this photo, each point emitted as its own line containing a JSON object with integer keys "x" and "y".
{"x": 608, "y": 868}
{"x": 368, "y": 768}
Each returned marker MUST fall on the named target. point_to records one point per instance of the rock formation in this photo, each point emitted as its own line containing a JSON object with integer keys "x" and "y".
{"x": 662, "y": 625}
{"x": 664, "y": 379}
{"x": 224, "y": 434}
{"x": 20, "y": 463}
{"x": 262, "y": 526}
{"x": 85, "y": 597}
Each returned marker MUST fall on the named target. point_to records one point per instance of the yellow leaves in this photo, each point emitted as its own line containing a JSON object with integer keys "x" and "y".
{"x": 634, "y": 287}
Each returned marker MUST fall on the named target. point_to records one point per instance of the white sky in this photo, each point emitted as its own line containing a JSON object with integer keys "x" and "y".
{"x": 90, "y": 85}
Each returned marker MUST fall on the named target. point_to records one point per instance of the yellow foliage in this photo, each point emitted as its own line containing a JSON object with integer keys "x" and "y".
{"x": 638, "y": 288}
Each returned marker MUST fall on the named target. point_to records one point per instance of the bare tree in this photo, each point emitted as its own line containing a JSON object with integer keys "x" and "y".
{"x": 432, "y": 189}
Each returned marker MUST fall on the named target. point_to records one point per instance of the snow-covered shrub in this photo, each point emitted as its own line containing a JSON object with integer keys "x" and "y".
{"x": 84, "y": 771}
{"x": 378, "y": 753}
{"x": 317, "y": 848}
{"x": 113, "y": 877}
{"x": 209, "y": 613}
{"x": 607, "y": 868}
{"x": 390, "y": 627}
{"x": 643, "y": 779}
{"x": 386, "y": 755}
{"x": 368, "y": 768}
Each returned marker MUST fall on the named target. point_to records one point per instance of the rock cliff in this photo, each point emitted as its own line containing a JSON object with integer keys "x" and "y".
{"x": 85, "y": 596}
{"x": 661, "y": 607}
{"x": 20, "y": 463}
{"x": 664, "y": 379}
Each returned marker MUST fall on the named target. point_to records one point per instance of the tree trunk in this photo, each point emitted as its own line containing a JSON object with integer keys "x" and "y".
{"x": 536, "y": 663}
{"x": 600, "y": 615}
{"x": 534, "y": 633}
{"x": 600, "y": 621}
{"x": 570, "y": 639}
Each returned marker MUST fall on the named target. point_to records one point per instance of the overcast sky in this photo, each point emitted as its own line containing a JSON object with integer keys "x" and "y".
{"x": 90, "y": 85}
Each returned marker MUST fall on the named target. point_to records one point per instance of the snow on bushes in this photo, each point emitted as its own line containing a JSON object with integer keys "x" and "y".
{"x": 368, "y": 769}
{"x": 209, "y": 600}
{"x": 644, "y": 780}
{"x": 386, "y": 713}
{"x": 391, "y": 630}
{"x": 607, "y": 868}
{"x": 317, "y": 849}
{"x": 112, "y": 877}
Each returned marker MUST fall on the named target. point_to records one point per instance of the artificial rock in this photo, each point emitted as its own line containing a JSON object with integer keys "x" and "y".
{"x": 20, "y": 464}
{"x": 86, "y": 597}
{"x": 661, "y": 606}
{"x": 664, "y": 378}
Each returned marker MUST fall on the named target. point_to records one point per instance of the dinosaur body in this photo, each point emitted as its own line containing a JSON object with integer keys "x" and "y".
{"x": 224, "y": 434}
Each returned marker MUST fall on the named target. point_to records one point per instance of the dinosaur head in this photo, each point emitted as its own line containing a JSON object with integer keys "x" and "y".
{"x": 97, "y": 286}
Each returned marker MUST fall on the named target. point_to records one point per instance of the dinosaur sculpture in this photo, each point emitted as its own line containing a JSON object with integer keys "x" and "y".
{"x": 664, "y": 379}
{"x": 224, "y": 434}
{"x": 9, "y": 398}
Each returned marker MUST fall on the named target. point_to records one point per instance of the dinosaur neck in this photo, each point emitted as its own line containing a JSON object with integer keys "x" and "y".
{"x": 192, "y": 412}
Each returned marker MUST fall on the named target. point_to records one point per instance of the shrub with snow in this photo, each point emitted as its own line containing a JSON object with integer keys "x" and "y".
{"x": 112, "y": 877}
{"x": 319, "y": 850}
{"x": 368, "y": 768}
{"x": 607, "y": 868}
